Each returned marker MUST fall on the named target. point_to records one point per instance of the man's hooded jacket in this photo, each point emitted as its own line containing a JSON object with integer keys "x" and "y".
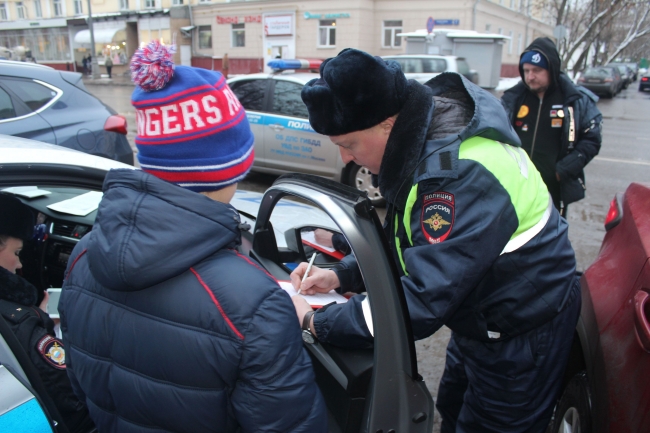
{"x": 481, "y": 247}
{"x": 581, "y": 129}
{"x": 169, "y": 329}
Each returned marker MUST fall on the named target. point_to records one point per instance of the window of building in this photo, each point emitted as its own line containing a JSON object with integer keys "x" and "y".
{"x": 513, "y": 4}
{"x": 7, "y": 110}
{"x": 327, "y": 33}
{"x": 38, "y": 10}
{"x": 149, "y": 4}
{"x": 124, "y": 4}
{"x": 20, "y": 9}
{"x": 488, "y": 27}
{"x": 238, "y": 35}
{"x": 390, "y": 31}
{"x": 58, "y": 8}
{"x": 4, "y": 16}
{"x": 519, "y": 43}
{"x": 250, "y": 93}
{"x": 287, "y": 100}
{"x": 78, "y": 7}
{"x": 177, "y": 2}
{"x": 205, "y": 36}
{"x": 500, "y": 30}
{"x": 510, "y": 42}
{"x": 205, "y": 1}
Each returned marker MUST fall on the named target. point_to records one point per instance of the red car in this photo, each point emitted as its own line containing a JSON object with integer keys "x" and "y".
{"x": 608, "y": 375}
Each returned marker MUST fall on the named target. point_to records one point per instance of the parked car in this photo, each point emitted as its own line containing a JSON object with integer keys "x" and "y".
{"x": 627, "y": 75}
{"x": 634, "y": 67}
{"x": 607, "y": 376}
{"x": 376, "y": 389}
{"x": 602, "y": 80}
{"x": 285, "y": 142}
{"x": 45, "y": 104}
{"x": 644, "y": 82}
{"x": 423, "y": 67}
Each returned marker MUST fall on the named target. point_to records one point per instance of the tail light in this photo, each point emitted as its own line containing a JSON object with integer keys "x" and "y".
{"x": 615, "y": 213}
{"x": 609, "y": 80}
{"x": 644, "y": 79}
{"x": 581, "y": 80}
{"x": 116, "y": 123}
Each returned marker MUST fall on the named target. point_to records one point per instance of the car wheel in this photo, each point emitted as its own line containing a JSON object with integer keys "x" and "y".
{"x": 573, "y": 411}
{"x": 361, "y": 179}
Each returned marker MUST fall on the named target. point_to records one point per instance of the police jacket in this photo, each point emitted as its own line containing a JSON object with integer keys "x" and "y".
{"x": 581, "y": 129}
{"x": 169, "y": 329}
{"x": 35, "y": 332}
{"x": 480, "y": 246}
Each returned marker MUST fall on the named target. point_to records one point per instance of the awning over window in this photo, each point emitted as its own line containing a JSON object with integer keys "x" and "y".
{"x": 102, "y": 36}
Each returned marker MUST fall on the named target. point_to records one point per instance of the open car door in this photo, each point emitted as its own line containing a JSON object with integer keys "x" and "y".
{"x": 366, "y": 390}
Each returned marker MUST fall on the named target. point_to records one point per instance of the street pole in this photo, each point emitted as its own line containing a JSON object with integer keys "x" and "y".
{"x": 94, "y": 66}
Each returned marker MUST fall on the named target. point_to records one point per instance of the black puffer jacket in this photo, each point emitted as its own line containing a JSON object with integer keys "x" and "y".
{"x": 169, "y": 329}
{"x": 581, "y": 132}
{"x": 35, "y": 331}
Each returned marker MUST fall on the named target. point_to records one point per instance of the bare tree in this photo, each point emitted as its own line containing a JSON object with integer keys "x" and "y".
{"x": 637, "y": 23}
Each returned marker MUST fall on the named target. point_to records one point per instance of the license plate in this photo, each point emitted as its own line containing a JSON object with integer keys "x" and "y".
{"x": 593, "y": 81}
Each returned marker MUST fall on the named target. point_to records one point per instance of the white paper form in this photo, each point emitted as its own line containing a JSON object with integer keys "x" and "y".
{"x": 81, "y": 205}
{"x": 27, "y": 191}
{"x": 317, "y": 300}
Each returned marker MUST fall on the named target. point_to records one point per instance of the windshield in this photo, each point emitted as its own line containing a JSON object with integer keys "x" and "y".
{"x": 598, "y": 73}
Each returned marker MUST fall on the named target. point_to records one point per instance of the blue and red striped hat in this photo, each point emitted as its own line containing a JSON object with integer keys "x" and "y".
{"x": 192, "y": 129}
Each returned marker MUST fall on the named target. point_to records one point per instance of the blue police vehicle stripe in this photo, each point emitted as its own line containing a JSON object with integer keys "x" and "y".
{"x": 286, "y": 122}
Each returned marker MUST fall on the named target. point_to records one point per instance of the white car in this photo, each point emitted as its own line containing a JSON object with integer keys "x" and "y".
{"x": 376, "y": 389}
{"x": 423, "y": 67}
{"x": 284, "y": 140}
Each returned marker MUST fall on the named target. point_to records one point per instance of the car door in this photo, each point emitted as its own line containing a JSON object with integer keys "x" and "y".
{"x": 21, "y": 101}
{"x": 291, "y": 144}
{"x": 366, "y": 390}
{"x": 252, "y": 93}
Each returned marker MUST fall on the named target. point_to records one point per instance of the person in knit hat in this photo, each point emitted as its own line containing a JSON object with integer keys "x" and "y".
{"x": 31, "y": 325}
{"x": 476, "y": 240}
{"x": 168, "y": 327}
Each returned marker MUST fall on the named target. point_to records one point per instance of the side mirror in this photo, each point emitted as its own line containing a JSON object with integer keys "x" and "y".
{"x": 305, "y": 240}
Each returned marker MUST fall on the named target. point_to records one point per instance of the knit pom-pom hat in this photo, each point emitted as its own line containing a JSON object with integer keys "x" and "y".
{"x": 192, "y": 129}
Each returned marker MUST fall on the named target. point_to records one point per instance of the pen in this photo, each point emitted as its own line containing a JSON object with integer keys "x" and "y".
{"x": 304, "y": 277}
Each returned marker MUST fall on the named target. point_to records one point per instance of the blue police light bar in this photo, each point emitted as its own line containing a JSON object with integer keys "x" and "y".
{"x": 283, "y": 64}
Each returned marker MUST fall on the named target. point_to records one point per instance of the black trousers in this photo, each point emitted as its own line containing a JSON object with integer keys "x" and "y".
{"x": 507, "y": 386}
{"x": 108, "y": 70}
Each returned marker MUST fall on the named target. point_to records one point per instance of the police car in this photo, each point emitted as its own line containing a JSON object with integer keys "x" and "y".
{"x": 377, "y": 389}
{"x": 284, "y": 140}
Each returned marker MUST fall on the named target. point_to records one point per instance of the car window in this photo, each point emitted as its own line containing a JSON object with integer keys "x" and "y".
{"x": 33, "y": 94}
{"x": 434, "y": 65}
{"x": 7, "y": 110}
{"x": 250, "y": 93}
{"x": 599, "y": 72}
{"x": 287, "y": 100}
{"x": 463, "y": 67}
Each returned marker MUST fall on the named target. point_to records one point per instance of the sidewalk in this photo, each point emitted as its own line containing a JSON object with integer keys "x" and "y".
{"x": 116, "y": 80}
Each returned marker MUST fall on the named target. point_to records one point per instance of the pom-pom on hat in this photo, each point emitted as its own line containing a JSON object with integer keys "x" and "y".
{"x": 534, "y": 58}
{"x": 192, "y": 129}
{"x": 16, "y": 219}
{"x": 356, "y": 91}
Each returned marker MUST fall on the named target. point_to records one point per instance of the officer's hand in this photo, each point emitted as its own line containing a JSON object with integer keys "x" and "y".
{"x": 318, "y": 281}
{"x": 43, "y": 304}
{"x": 557, "y": 176}
{"x": 323, "y": 237}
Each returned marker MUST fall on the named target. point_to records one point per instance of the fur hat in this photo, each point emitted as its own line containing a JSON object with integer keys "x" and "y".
{"x": 356, "y": 91}
{"x": 534, "y": 58}
{"x": 16, "y": 219}
{"x": 192, "y": 129}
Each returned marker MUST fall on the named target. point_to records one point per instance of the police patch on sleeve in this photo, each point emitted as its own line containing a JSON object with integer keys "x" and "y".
{"x": 437, "y": 216}
{"x": 51, "y": 349}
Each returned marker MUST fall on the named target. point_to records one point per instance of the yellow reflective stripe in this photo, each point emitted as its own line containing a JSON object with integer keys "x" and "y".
{"x": 398, "y": 246}
{"x": 410, "y": 201}
{"x": 517, "y": 175}
{"x": 522, "y": 239}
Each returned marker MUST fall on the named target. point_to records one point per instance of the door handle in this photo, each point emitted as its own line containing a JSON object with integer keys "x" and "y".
{"x": 276, "y": 127}
{"x": 641, "y": 313}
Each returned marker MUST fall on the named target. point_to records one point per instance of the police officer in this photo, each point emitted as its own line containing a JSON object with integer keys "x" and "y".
{"x": 473, "y": 230}
{"x": 32, "y": 326}
{"x": 558, "y": 122}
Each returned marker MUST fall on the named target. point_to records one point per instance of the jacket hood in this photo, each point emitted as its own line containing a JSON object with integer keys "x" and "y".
{"x": 148, "y": 231}
{"x": 548, "y": 49}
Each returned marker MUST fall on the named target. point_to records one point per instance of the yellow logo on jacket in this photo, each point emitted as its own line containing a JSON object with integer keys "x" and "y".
{"x": 523, "y": 111}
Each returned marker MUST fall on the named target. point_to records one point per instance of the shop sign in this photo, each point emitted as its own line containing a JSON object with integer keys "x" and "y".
{"x": 237, "y": 20}
{"x": 310, "y": 16}
{"x": 278, "y": 25}
{"x": 34, "y": 24}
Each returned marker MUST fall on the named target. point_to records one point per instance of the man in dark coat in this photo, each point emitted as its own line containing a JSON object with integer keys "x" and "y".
{"x": 33, "y": 327}
{"x": 473, "y": 232}
{"x": 168, "y": 327}
{"x": 558, "y": 122}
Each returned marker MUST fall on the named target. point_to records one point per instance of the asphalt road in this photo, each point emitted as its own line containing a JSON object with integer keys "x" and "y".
{"x": 623, "y": 159}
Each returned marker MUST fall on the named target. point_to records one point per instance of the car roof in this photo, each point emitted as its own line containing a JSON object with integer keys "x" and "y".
{"x": 301, "y": 77}
{"x": 16, "y": 150}
{"x": 420, "y": 56}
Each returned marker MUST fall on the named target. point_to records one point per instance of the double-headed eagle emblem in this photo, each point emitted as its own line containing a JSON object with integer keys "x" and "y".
{"x": 436, "y": 222}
